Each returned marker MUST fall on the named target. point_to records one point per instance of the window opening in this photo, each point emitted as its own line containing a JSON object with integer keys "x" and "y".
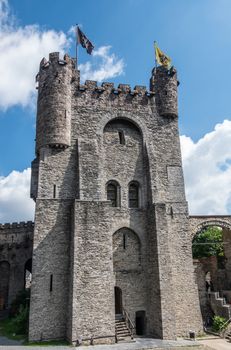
{"x": 133, "y": 195}
{"x": 121, "y": 137}
{"x": 54, "y": 191}
{"x": 51, "y": 283}
{"x": 112, "y": 194}
{"x": 124, "y": 241}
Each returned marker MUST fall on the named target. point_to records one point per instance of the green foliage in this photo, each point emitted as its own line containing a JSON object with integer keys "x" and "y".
{"x": 212, "y": 235}
{"x": 16, "y": 326}
{"x": 218, "y": 323}
{"x": 20, "y": 321}
{"x": 7, "y": 330}
{"x": 23, "y": 299}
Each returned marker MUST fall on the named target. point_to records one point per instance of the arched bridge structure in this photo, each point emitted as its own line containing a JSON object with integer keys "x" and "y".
{"x": 198, "y": 222}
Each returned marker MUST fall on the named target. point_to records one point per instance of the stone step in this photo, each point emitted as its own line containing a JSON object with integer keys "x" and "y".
{"x": 121, "y": 328}
{"x": 122, "y": 332}
{"x": 126, "y": 332}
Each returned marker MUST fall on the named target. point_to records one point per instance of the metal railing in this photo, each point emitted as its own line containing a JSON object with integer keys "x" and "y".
{"x": 129, "y": 323}
{"x": 224, "y": 328}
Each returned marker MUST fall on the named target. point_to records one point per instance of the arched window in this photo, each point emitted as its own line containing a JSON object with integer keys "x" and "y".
{"x": 113, "y": 193}
{"x": 133, "y": 195}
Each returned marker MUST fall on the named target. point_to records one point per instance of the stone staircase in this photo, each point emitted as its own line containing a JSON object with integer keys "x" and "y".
{"x": 219, "y": 305}
{"x": 122, "y": 331}
{"x": 228, "y": 336}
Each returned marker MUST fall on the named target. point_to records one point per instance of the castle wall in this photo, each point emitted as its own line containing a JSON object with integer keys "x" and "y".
{"x": 16, "y": 242}
{"x": 92, "y": 303}
{"x": 49, "y": 295}
{"x": 92, "y": 156}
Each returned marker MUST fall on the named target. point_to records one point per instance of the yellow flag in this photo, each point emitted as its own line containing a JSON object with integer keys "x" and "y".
{"x": 161, "y": 58}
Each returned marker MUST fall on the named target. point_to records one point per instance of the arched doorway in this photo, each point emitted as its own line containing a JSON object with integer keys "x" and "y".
{"x": 140, "y": 322}
{"x": 118, "y": 301}
{"x": 212, "y": 267}
{"x": 28, "y": 274}
{"x": 4, "y": 285}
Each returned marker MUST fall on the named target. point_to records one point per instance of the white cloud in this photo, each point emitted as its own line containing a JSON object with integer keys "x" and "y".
{"x": 207, "y": 170}
{"x": 21, "y": 49}
{"x": 103, "y": 65}
{"x": 15, "y": 202}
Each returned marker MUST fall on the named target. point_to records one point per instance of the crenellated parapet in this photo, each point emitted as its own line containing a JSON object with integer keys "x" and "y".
{"x": 60, "y": 93}
{"x": 111, "y": 96}
{"x": 109, "y": 88}
{"x": 16, "y": 232}
{"x": 17, "y": 225}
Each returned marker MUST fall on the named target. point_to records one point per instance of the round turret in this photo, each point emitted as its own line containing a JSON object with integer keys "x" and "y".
{"x": 164, "y": 83}
{"x": 54, "y": 102}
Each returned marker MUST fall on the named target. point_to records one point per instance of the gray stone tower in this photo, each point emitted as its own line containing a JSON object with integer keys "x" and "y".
{"x": 111, "y": 221}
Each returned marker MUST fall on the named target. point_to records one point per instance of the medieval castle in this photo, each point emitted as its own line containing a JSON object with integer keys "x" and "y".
{"x": 112, "y": 236}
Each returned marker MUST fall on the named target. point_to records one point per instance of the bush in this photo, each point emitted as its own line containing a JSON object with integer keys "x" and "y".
{"x": 218, "y": 323}
{"x": 17, "y": 323}
{"x": 22, "y": 299}
{"x": 20, "y": 322}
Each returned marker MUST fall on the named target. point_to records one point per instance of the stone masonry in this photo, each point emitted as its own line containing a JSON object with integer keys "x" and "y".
{"x": 110, "y": 209}
{"x": 112, "y": 231}
{"x": 16, "y": 243}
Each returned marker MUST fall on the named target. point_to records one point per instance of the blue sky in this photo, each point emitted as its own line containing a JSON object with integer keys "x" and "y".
{"x": 194, "y": 33}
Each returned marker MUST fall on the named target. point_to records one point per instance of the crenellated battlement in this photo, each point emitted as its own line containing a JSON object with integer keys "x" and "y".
{"x": 54, "y": 58}
{"x": 16, "y": 233}
{"x": 21, "y": 224}
{"x": 109, "y": 88}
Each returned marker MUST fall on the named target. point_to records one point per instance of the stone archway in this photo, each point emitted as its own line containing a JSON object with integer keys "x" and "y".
{"x": 198, "y": 222}
{"x": 118, "y": 301}
{"x": 211, "y": 263}
{"x": 130, "y": 293}
{"x": 28, "y": 274}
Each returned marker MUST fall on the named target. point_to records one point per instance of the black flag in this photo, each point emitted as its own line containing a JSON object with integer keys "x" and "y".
{"x": 84, "y": 41}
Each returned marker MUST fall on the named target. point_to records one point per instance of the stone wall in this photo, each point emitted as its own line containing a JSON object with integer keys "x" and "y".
{"x": 50, "y": 283}
{"x": 16, "y": 242}
{"x": 92, "y": 283}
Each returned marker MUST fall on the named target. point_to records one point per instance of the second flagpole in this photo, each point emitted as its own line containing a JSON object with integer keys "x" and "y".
{"x": 76, "y": 48}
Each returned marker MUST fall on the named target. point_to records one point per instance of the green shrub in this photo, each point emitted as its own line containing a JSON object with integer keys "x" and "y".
{"x": 218, "y": 323}
{"x": 22, "y": 298}
{"x": 19, "y": 323}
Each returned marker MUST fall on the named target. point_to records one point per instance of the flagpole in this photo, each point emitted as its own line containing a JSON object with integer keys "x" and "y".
{"x": 76, "y": 48}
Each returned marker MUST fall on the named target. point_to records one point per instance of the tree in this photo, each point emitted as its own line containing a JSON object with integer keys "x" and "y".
{"x": 208, "y": 243}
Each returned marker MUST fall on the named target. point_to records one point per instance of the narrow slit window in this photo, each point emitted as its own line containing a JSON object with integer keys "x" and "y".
{"x": 124, "y": 241}
{"x": 133, "y": 194}
{"x": 54, "y": 191}
{"x": 121, "y": 137}
{"x": 51, "y": 283}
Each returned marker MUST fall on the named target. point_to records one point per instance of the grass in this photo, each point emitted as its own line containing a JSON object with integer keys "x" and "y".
{"x": 48, "y": 343}
{"x": 7, "y": 330}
